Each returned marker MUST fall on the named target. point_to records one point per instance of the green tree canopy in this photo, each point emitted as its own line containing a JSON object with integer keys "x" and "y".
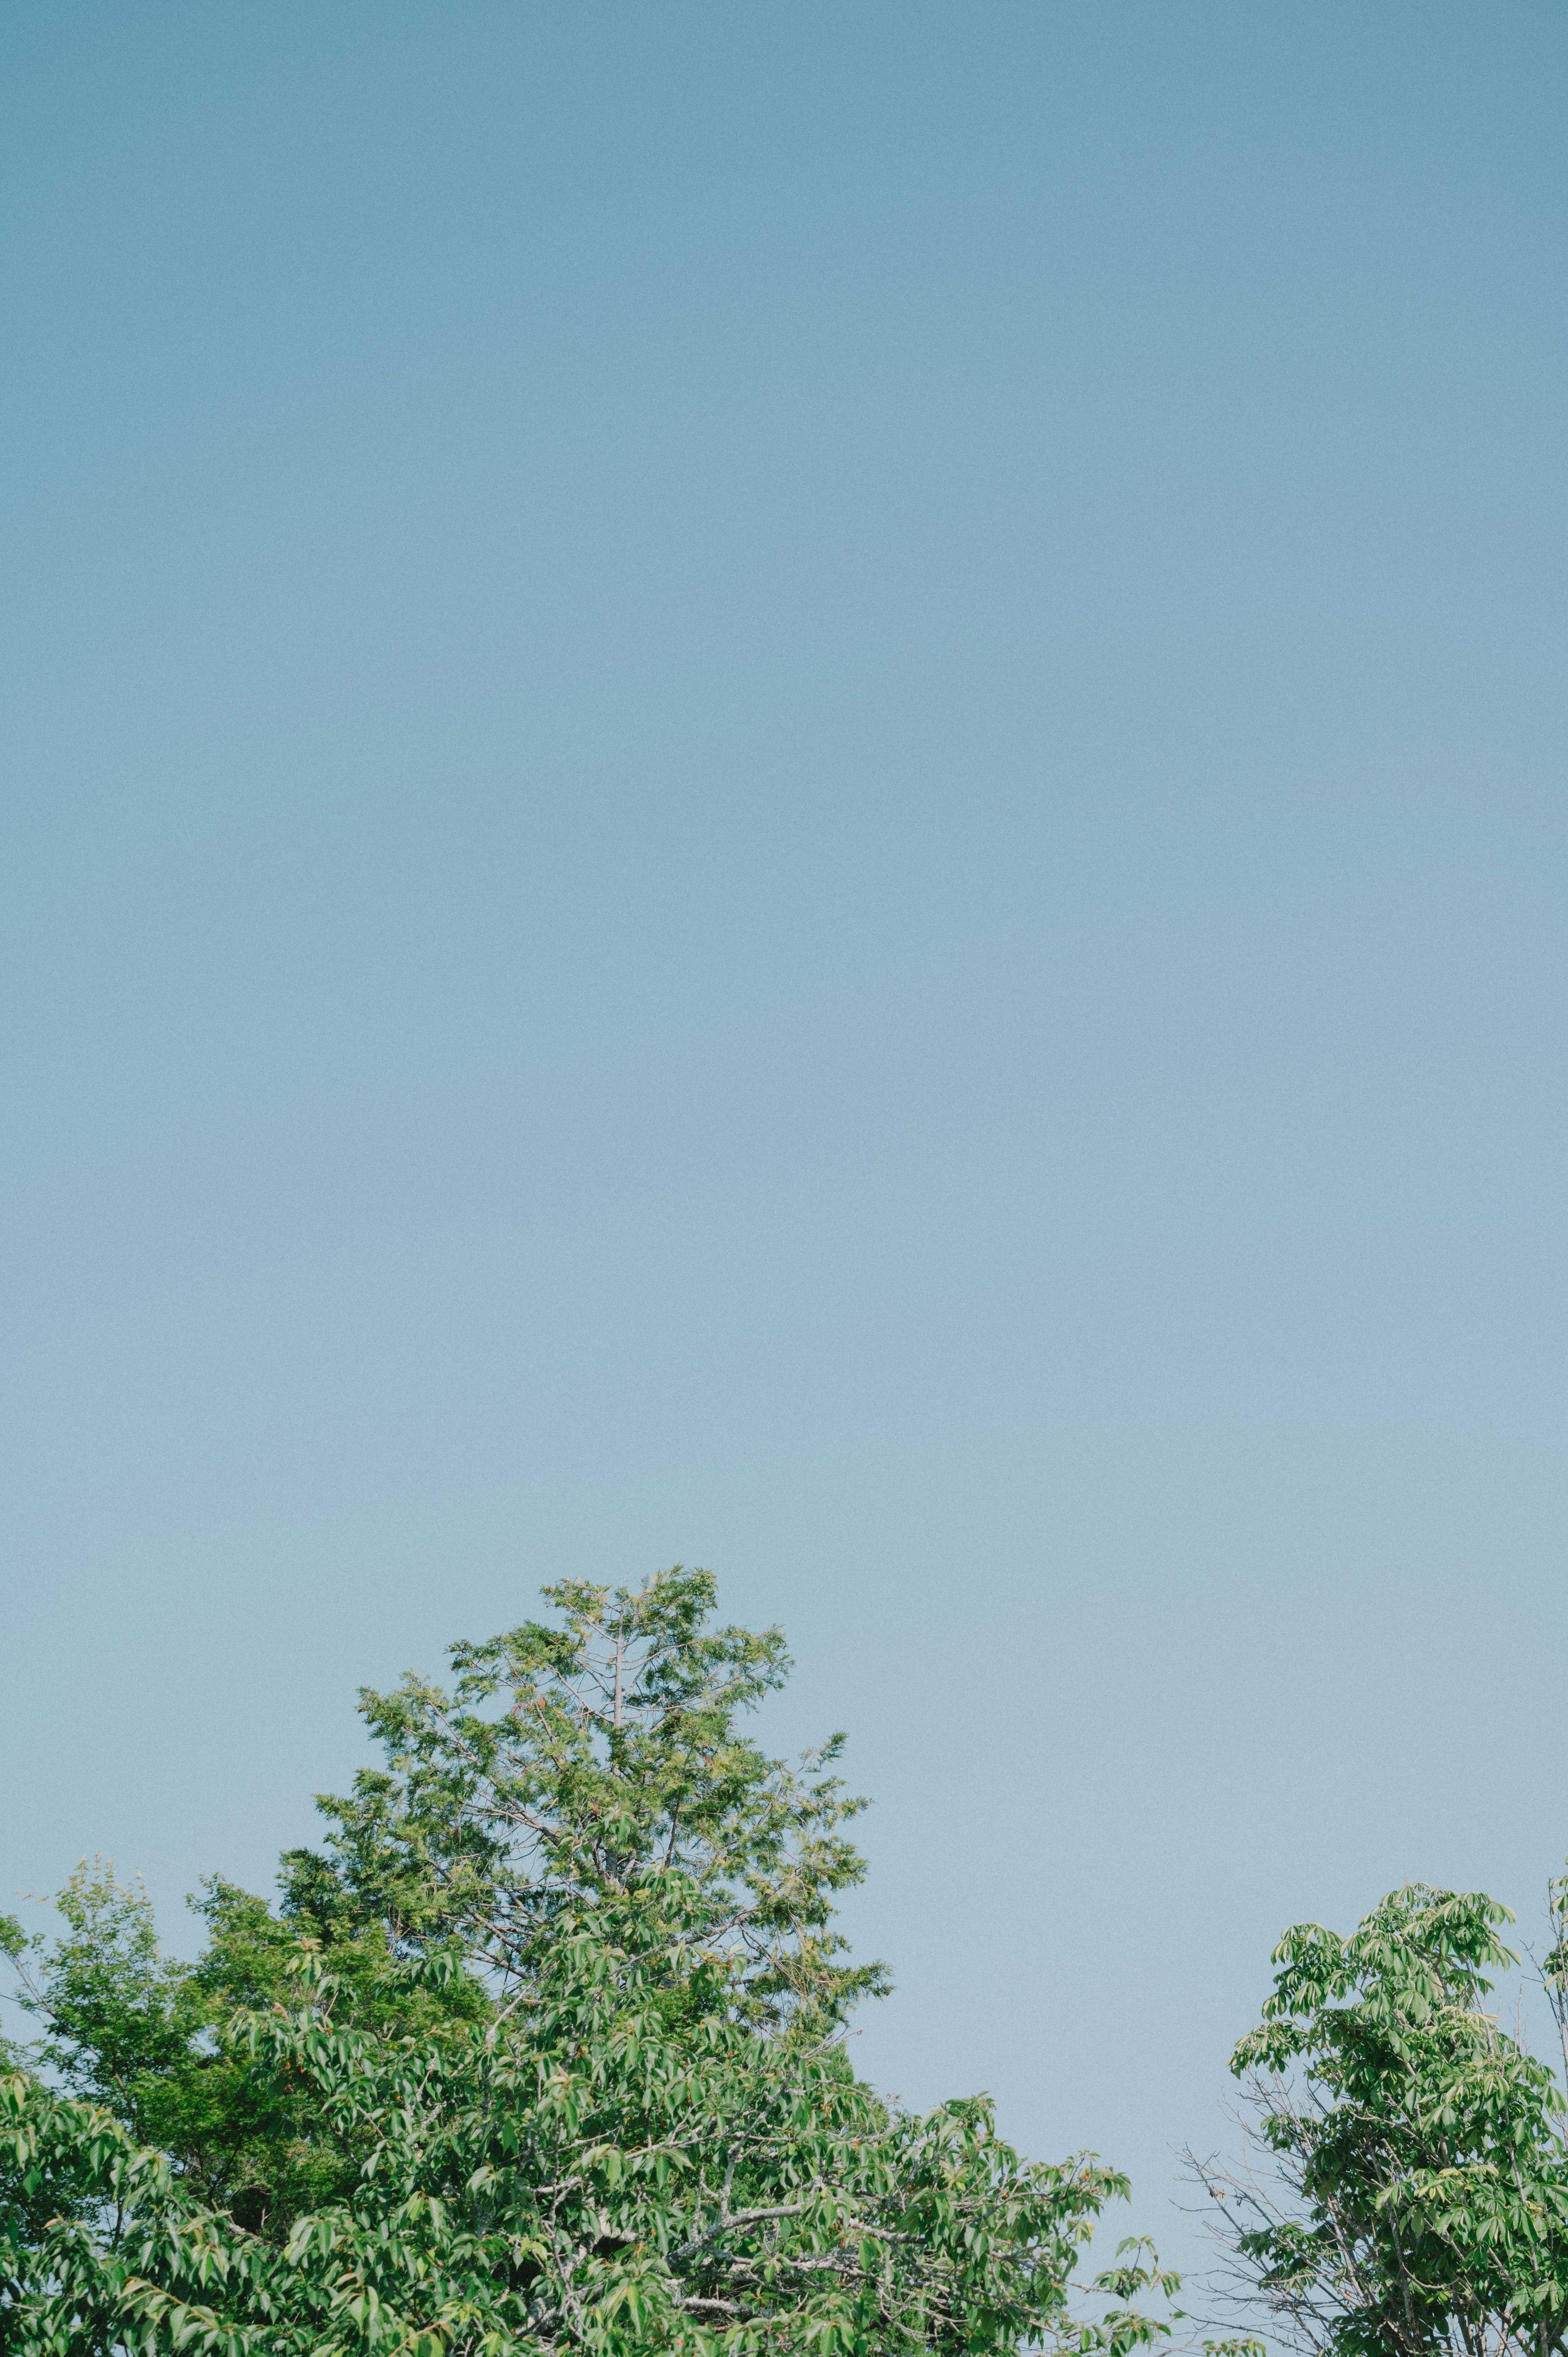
{"x": 1415, "y": 2198}
{"x": 544, "y": 2052}
{"x": 569, "y": 1762}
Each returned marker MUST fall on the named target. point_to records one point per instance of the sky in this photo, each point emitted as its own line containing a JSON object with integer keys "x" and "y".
{"x": 784, "y": 788}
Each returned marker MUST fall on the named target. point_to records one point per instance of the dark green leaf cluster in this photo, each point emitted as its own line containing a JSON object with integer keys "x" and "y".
{"x": 149, "y": 2040}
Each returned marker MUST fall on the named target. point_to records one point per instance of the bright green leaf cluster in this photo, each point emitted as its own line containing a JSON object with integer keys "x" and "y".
{"x": 1423, "y": 2148}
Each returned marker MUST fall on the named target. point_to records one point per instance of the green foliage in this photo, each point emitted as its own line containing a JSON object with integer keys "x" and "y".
{"x": 568, "y": 1763}
{"x": 542, "y": 2055}
{"x": 1419, "y": 2149}
{"x": 14, "y": 1945}
{"x": 149, "y": 2040}
{"x": 607, "y": 2172}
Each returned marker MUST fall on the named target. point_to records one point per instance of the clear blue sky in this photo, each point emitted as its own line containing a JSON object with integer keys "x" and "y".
{"x": 786, "y": 786}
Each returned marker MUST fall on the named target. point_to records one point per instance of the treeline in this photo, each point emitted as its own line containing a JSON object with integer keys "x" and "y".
{"x": 543, "y": 2052}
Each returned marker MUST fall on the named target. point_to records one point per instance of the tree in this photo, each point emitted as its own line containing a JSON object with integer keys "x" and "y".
{"x": 1415, "y": 2198}
{"x": 623, "y": 2166}
{"x": 615, "y": 1754}
{"x": 646, "y": 2134}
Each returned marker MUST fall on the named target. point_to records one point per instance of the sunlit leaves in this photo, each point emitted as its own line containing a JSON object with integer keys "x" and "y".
{"x": 1423, "y": 2147}
{"x": 568, "y": 1761}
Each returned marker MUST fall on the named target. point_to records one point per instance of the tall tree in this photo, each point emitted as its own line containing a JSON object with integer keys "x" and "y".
{"x": 556, "y": 2020}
